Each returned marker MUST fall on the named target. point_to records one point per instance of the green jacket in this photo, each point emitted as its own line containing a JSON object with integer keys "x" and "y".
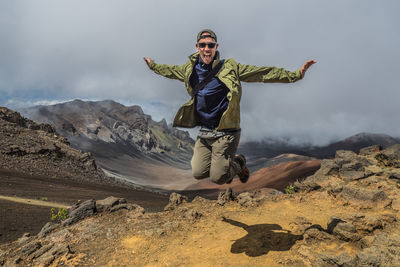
{"x": 231, "y": 74}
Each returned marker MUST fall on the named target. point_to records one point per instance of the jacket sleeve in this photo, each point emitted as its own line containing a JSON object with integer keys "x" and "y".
{"x": 170, "y": 71}
{"x": 250, "y": 73}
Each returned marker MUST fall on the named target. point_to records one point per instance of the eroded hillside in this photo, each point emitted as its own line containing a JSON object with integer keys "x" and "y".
{"x": 37, "y": 149}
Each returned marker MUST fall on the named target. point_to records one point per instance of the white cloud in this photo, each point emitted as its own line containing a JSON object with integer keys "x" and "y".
{"x": 19, "y": 104}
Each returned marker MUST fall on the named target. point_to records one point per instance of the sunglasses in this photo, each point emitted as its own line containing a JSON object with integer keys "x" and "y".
{"x": 210, "y": 45}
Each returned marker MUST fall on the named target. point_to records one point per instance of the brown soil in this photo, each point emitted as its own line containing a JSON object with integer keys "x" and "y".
{"x": 17, "y": 218}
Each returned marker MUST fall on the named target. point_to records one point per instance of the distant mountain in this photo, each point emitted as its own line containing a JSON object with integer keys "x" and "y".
{"x": 354, "y": 143}
{"x": 125, "y": 141}
{"x": 272, "y": 148}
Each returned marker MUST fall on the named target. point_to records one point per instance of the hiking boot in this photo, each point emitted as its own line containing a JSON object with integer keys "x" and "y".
{"x": 244, "y": 173}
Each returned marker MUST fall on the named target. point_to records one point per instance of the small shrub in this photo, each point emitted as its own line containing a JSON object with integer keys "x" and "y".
{"x": 62, "y": 214}
{"x": 289, "y": 189}
{"x": 43, "y": 199}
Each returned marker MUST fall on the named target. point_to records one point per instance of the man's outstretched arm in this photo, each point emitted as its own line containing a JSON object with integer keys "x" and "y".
{"x": 169, "y": 71}
{"x": 269, "y": 74}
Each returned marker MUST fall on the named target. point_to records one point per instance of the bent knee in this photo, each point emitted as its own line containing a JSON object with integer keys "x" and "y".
{"x": 219, "y": 176}
{"x": 200, "y": 173}
{"x": 200, "y": 176}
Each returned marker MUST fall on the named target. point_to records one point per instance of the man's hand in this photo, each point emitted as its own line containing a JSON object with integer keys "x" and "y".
{"x": 147, "y": 60}
{"x": 305, "y": 67}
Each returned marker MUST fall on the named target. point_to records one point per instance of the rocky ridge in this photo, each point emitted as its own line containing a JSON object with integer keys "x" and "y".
{"x": 37, "y": 149}
{"x": 346, "y": 214}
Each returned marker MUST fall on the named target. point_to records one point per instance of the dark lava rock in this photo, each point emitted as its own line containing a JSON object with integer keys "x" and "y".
{"x": 384, "y": 251}
{"x": 225, "y": 197}
{"x": 343, "y": 230}
{"x": 255, "y": 197}
{"x": 367, "y": 224}
{"x": 328, "y": 167}
{"x": 365, "y": 198}
{"x": 40, "y": 251}
{"x": 390, "y": 157}
{"x": 247, "y": 199}
{"x": 30, "y": 247}
{"x": 316, "y": 233}
{"x": 370, "y": 150}
{"x": 344, "y": 156}
{"x": 343, "y": 259}
{"x": 193, "y": 214}
{"x": 80, "y": 211}
{"x": 306, "y": 186}
{"x": 175, "y": 199}
{"x": 349, "y": 175}
{"x": 24, "y": 238}
{"x": 108, "y": 203}
{"x": 395, "y": 176}
{"x": 47, "y": 228}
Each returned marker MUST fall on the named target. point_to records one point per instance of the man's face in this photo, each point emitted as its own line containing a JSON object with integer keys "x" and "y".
{"x": 206, "y": 52}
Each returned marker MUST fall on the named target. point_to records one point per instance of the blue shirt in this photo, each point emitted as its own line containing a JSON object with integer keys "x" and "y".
{"x": 211, "y": 101}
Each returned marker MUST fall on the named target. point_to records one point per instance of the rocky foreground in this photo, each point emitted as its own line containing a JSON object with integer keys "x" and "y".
{"x": 346, "y": 214}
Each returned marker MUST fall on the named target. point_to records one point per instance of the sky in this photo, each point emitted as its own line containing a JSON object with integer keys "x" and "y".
{"x": 54, "y": 51}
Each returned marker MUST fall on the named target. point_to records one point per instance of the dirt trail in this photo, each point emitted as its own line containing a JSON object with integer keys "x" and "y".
{"x": 35, "y": 202}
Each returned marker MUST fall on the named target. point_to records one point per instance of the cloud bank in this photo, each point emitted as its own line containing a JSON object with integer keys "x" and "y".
{"x": 59, "y": 50}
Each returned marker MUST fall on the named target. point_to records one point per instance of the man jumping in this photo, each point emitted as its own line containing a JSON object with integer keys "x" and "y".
{"x": 215, "y": 90}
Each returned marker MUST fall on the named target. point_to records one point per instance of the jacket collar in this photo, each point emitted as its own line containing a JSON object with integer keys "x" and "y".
{"x": 193, "y": 58}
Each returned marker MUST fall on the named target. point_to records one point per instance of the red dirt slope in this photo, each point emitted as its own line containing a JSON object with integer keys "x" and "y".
{"x": 277, "y": 176}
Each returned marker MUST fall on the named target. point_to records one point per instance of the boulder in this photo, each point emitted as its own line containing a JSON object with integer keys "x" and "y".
{"x": 345, "y": 156}
{"x": 306, "y": 186}
{"x": 328, "y": 167}
{"x": 344, "y": 260}
{"x": 343, "y": 230}
{"x": 384, "y": 251}
{"x": 175, "y": 200}
{"x": 30, "y": 247}
{"x": 370, "y": 150}
{"x": 24, "y": 238}
{"x": 80, "y": 211}
{"x": 193, "y": 214}
{"x": 47, "y": 228}
{"x": 364, "y": 198}
{"x": 367, "y": 224}
{"x": 389, "y": 157}
{"x": 108, "y": 203}
{"x": 225, "y": 197}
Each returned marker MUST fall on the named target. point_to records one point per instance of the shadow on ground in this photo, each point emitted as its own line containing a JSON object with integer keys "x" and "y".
{"x": 262, "y": 238}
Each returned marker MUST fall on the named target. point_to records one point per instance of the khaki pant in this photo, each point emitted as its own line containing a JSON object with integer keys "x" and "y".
{"x": 214, "y": 158}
